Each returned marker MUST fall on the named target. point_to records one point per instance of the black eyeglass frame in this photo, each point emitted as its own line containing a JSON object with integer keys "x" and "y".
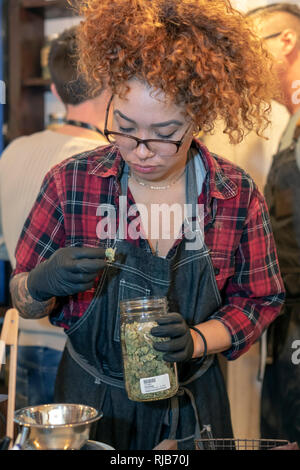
{"x": 107, "y": 133}
{"x": 272, "y": 35}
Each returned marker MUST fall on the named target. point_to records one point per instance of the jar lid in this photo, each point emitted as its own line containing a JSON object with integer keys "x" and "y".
{"x": 142, "y": 304}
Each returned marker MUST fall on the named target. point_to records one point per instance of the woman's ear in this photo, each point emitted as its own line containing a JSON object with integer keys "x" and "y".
{"x": 54, "y": 91}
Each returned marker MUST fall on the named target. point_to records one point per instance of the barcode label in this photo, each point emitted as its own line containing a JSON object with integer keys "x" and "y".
{"x": 155, "y": 384}
{"x": 149, "y": 381}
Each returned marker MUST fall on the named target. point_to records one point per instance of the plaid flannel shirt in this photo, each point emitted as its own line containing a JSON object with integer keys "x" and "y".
{"x": 237, "y": 233}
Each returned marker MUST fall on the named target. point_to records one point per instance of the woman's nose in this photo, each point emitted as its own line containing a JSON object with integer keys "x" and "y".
{"x": 143, "y": 152}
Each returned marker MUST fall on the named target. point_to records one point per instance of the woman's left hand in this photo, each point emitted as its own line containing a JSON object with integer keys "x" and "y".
{"x": 180, "y": 346}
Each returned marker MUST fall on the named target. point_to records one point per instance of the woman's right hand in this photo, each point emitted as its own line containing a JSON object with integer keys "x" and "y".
{"x": 68, "y": 271}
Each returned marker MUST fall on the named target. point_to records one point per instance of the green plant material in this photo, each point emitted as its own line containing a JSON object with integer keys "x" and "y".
{"x": 110, "y": 254}
{"x": 142, "y": 361}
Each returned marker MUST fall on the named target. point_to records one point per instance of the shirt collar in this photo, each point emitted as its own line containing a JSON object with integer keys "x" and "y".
{"x": 219, "y": 184}
{"x": 107, "y": 161}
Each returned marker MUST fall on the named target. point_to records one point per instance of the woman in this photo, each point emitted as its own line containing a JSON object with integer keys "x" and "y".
{"x": 174, "y": 67}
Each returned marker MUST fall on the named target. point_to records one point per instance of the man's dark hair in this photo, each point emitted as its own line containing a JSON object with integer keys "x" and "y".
{"x": 63, "y": 60}
{"x": 290, "y": 8}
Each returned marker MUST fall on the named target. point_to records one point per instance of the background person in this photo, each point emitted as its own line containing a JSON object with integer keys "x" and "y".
{"x": 164, "y": 62}
{"x": 23, "y": 166}
{"x": 279, "y": 26}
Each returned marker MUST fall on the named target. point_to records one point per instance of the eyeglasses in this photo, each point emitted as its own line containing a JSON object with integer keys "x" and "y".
{"x": 162, "y": 147}
{"x": 272, "y": 36}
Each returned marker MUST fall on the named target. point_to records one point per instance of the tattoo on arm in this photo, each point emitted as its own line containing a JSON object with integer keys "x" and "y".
{"x": 24, "y": 303}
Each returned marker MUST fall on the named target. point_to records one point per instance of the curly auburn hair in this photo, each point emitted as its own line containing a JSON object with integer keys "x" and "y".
{"x": 201, "y": 53}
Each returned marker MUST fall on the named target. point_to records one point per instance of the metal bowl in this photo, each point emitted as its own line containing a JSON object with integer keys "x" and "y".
{"x": 59, "y": 426}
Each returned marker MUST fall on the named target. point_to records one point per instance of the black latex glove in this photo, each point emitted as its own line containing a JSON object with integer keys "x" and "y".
{"x": 68, "y": 271}
{"x": 180, "y": 347}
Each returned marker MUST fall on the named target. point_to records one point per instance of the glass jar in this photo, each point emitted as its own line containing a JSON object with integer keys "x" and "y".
{"x": 147, "y": 376}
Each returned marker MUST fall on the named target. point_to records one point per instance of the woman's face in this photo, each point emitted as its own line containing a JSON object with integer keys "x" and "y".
{"x": 144, "y": 116}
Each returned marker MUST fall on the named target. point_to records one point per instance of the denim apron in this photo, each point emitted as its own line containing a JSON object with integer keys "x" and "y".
{"x": 91, "y": 370}
{"x": 280, "y": 406}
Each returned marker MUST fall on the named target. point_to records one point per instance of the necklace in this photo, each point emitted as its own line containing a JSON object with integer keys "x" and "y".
{"x": 157, "y": 187}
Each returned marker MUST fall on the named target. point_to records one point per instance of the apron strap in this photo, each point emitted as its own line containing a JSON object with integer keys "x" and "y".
{"x": 198, "y": 434}
{"x": 174, "y": 401}
{"x": 124, "y": 179}
{"x": 84, "y": 364}
{"x": 175, "y": 413}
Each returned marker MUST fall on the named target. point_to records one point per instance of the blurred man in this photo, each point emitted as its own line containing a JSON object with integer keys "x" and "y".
{"x": 23, "y": 165}
{"x": 279, "y": 26}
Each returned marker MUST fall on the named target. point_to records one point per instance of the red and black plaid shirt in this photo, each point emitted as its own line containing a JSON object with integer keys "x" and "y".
{"x": 237, "y": 233}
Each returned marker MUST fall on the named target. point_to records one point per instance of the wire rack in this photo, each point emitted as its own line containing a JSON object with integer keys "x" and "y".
{"x": 238, "y": 444}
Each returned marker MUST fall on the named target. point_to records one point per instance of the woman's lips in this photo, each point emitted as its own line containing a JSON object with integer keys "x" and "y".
{"x": 143, "y": 169}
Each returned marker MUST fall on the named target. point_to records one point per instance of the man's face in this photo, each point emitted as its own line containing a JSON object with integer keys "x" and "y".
{"x": 268, "y": 30}
{"x": 271, "y": 32}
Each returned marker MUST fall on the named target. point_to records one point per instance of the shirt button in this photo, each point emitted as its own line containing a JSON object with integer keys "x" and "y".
{"x": 217, "y": 271}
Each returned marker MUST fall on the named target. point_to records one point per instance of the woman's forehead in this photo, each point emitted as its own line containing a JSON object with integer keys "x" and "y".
{"x": 143, "y": 102}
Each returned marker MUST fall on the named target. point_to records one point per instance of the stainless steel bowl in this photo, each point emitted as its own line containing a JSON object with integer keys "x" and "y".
{"x": 60, "y": 426}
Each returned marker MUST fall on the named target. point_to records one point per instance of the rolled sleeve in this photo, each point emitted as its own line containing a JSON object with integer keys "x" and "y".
{"x": 255, "y": 293}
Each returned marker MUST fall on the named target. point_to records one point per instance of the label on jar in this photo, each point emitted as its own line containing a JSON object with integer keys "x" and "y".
{"x": 155, "y": 384}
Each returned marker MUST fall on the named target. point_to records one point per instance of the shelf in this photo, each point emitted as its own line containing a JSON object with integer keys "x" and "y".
{"x": 50, "y": 8}
{"x": 26, "y": 85}
{"x": 43, "y": 3}
{"x": 36, "y": 82}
